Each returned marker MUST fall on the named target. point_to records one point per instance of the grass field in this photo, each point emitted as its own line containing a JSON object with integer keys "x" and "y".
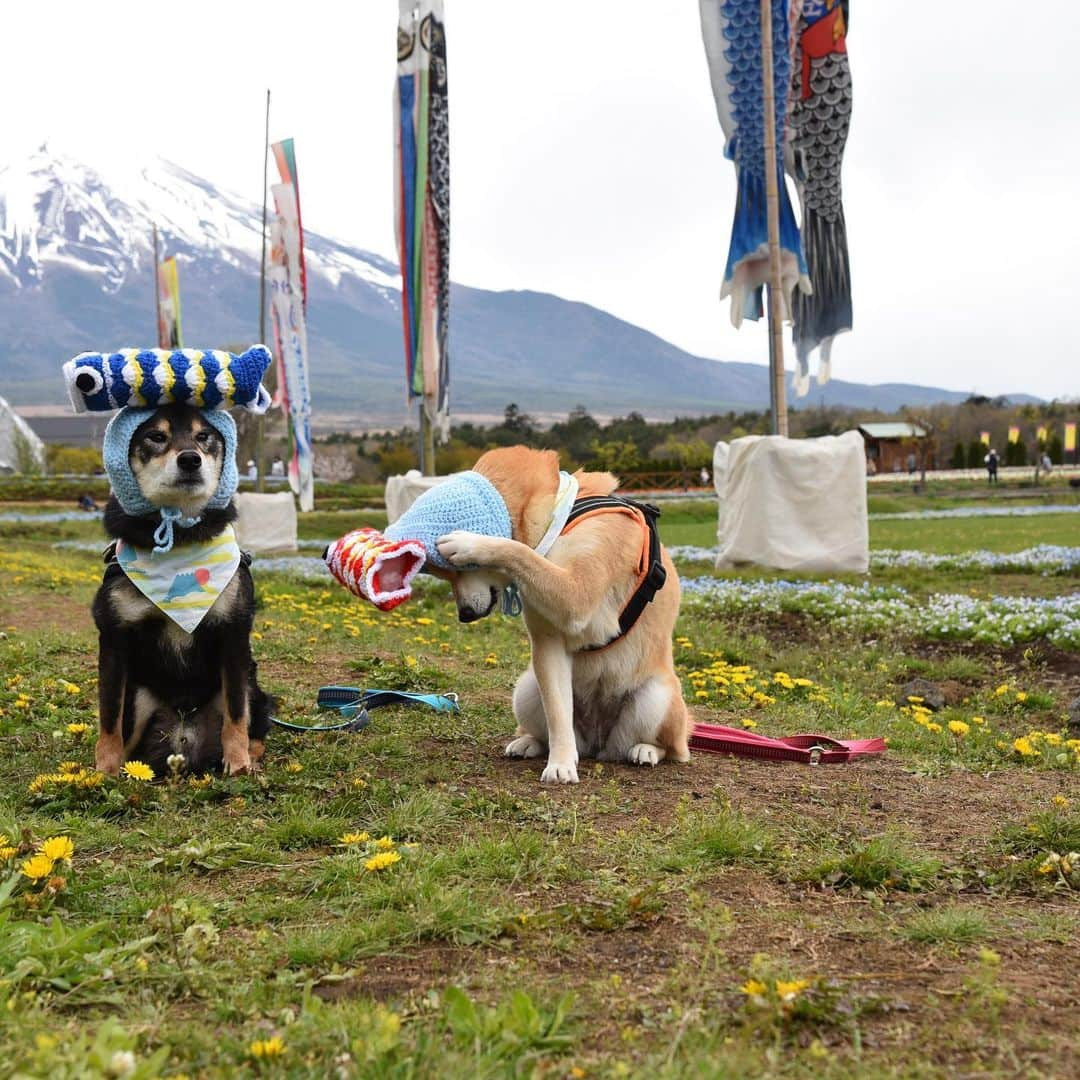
{"x": 405, "y": 902}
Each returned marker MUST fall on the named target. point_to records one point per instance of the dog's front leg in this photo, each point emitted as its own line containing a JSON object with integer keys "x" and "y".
{"x": 236, "y": 696}
{"x": 554, "y": 672}
{"x": 112, "y": 688}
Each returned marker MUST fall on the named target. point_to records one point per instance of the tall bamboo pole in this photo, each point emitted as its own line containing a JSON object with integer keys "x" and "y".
{"x": 772, "y": 205}
{"x": 260, "y": 424}
{"x": 157, "y": 294}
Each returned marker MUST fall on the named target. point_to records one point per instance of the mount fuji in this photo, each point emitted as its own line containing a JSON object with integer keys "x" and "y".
{"x": 76, "y": 273}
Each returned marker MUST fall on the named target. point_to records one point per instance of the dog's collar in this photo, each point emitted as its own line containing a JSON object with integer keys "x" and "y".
{"x": 564, "y": 503}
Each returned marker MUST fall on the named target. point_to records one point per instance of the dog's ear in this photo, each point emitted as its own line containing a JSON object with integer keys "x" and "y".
{"x": 527, "y": 480}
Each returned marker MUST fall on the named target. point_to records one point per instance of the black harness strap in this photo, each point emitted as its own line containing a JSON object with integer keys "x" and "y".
{"x": 655, "y": 575}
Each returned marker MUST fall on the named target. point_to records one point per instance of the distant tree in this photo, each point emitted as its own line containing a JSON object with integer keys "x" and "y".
{"x": 1056, "y": 449}
{"x": 959, "y": 458}
{"x": 517, "y": 421}
{"x": 616, "y": 457}
{"x": 1015, "y": 453}
{"x": 976, "y": 452}
{"x": 82, "y": 460}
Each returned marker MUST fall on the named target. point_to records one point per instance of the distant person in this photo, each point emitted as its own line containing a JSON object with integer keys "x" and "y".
{"x": 86, "y": 502}
{"x": 704, "y": 476}
{"x": 912, "y": 463}
{"x": 871, "y": 467}
{"x": 991, "y": 461}
{"x": 1047, "y": 464}
{"x": 277, "y": 466}
{"x": 252, "y": 470}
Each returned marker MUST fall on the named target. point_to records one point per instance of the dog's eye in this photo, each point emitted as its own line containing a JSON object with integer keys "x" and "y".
{"x": 203, "y": 438}
{"x": 158, "y": 438}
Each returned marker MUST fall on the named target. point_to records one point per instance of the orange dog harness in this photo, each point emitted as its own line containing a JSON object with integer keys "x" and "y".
{"x": 651, "y": 574}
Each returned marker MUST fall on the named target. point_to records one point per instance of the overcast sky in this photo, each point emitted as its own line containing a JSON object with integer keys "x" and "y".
{"x": 586, "y": 155}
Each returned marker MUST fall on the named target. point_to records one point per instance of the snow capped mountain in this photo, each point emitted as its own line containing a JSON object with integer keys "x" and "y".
{"x": 57, "y": 210}
{"x": 76, "y": 273}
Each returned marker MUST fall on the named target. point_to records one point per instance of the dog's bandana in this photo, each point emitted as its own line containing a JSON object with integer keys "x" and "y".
{"x": 183, "y": 583}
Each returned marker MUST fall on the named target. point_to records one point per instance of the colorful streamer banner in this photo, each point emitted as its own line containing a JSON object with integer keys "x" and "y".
{"x": 168, "y": 286}
{"x": 285, "y": 277}
{"x": 422, "y": 204}
{"x": 984, "y": 438}
{"x": 1014, "y": 434}
{"x": 731, "y": 31}
{"x": 1070, "y": 437}
{"x": 1041, "y": 433}
{"x": 819, "y": 117}
{"x": 285, "y": 158}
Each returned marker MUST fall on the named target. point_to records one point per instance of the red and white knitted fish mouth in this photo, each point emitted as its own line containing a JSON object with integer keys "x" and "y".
{"x": 374, "y": 568}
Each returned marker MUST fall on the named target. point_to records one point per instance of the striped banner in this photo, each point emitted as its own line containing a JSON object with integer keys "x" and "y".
{"x": 1070, "y": 437}
{"x": 1041, "y": 433}
{"x": 422, "y": 203}
{"x": 1014, "y": 434}
{"x": 984, "y": 437}
{"x": 168, "y": 285}
{"x": 285, "y": 276}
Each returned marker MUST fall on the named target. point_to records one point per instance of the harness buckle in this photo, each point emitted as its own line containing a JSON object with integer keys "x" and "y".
{"x": 656, "y": 577}
{"x": 815, "y": 754}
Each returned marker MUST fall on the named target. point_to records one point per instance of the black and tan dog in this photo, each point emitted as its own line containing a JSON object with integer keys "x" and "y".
{"x": 166, "y": 693}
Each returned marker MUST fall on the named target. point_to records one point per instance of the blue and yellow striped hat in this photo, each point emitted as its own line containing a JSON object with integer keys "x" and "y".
{"x": 147, "y": 378}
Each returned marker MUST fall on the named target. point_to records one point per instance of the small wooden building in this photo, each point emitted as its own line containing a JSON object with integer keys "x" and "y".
{"x": 889, "y": 445}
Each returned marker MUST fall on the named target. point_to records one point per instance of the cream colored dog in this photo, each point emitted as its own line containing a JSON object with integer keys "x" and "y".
{"x": 618, "y": 703}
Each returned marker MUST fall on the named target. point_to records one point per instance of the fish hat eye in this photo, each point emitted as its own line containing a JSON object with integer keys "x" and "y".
{"x": 89, "y": 381}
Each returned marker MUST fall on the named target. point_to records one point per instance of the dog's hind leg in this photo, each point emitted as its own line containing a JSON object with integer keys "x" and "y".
{"x": 649, "y": 727}
{"x": 531, "y": 735}
{"x": 112, "y": 689}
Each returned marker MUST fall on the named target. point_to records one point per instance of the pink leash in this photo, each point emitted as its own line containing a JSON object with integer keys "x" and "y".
{"x": 809, "y": 749}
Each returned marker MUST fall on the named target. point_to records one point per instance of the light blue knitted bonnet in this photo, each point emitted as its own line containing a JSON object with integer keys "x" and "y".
{"x": 466, "y": 501}
{"x": 117, "y": 449}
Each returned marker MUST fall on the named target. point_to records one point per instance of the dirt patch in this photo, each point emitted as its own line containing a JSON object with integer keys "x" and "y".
{"x": 47, "y": 611}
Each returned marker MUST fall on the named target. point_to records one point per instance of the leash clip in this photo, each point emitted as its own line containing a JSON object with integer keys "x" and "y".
{"x": 815, "y": 752}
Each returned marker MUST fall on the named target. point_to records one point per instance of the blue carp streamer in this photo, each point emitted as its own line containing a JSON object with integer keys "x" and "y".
{"x": 147, "y": 378}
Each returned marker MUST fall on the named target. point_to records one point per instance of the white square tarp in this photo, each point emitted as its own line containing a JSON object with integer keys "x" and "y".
{"x": 265, "y": 522}
{"x": 794, "y": 504}
{"x": 403, "y": 491}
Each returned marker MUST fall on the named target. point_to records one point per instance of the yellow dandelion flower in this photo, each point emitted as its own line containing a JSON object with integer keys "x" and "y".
{"x": 199, "y": 782}
{"x": 915, "y": 699}
{"x": 1061, "y": 802}
{"x": 138, "y": 770}
{"x": 1001, "y": 690}
{"x": 701, "y": 693}
{"x": 90, "y": 779}
{"x": 1021, "y": 695}
{"x": 37, "y": 867}
{"x": 491, "y": 659}
{"x": 748, "y": 723}
{"x": 8, "y": 852}
{"x": 359, "y": 782}
{"x": 294, "y": 767}
{"x": 1047, "y": 867}
{"x": 787, "y": 991}
{"x": 958, "y": 727}
{"x": 354, "y": 838}
{"x": 70, "y": 687}
{"x": 1024, "y": 748}
{"x": 268, "y": 1048}
{"x": 382, "y": 861}
{"x": 58, "y": 848}
{"x": 385, "y": 843}
{"x": 978, "y": 720}
{"x": 754, "y": 988}
{"x": 1052, "y": 738}
{"x": 410, "y": 661}
{"x": 425, "y": 622}
{"x": 935, "y": 728}
{"x": 883, "y": 703}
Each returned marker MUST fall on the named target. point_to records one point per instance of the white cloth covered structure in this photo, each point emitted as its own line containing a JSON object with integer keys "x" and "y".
{"x": 266, "y": 522}
{"x": 794, "y": 504}
{"x": 17, "y": 439}
{"x": 403, "y": 491}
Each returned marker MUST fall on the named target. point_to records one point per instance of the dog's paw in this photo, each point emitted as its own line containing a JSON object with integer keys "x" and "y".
{"x": 644, "y": 753}
{"x": 462, "y": 548}
{"x": 238, "y": 764}
{"x": 556, "y": 773}
{"x": 108, "y": 762}
{"x": 525, "y": 746}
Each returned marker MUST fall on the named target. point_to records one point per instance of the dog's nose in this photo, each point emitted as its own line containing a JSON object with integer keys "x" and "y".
{"x": 189, "y": 461}
{"x": 467, "y": 614}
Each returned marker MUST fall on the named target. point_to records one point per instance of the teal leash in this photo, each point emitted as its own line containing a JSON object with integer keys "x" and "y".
{"x": 354, "y": 703}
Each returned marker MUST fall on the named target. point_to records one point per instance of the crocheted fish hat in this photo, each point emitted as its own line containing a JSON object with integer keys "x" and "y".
{"x": 147, "y": 378}
{"x": 116, "y": 452}
{"x": 465, "y": 501}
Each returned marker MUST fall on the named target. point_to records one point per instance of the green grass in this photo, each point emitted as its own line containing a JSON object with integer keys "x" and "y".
{"x": 527, "y": 931}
